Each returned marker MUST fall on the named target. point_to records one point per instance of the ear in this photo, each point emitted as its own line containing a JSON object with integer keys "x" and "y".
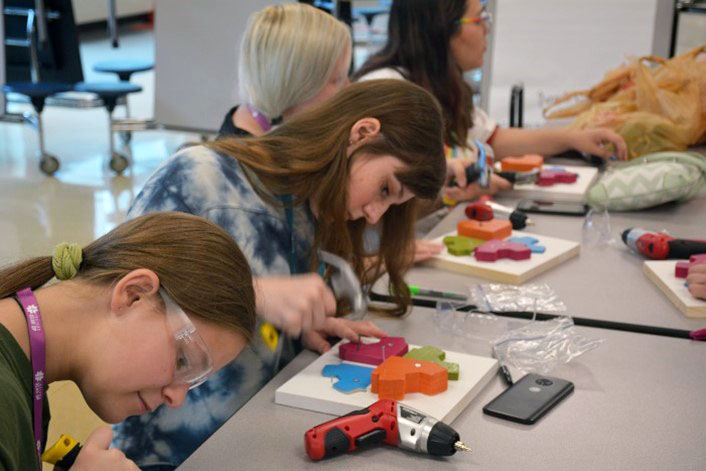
{"x": 363, "y": 130}
{"x": 137, "y": 286}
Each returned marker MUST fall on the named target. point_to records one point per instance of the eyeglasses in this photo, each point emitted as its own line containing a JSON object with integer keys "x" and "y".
{"x": 484, "y": 17}
{"x": 193, "y": 360}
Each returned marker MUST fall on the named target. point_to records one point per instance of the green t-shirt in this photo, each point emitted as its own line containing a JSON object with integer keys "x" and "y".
{"x": 16, "y": 425}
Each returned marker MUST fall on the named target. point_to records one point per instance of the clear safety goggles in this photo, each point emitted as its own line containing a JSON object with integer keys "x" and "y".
{"x": 193, "y": 360}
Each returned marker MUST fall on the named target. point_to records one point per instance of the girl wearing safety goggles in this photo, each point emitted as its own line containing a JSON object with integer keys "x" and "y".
{"x": 138, "y": 317}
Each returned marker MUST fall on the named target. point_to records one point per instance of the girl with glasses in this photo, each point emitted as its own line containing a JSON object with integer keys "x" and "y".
{"x": 136, "y": 319}
{"x": 432, "y": 43}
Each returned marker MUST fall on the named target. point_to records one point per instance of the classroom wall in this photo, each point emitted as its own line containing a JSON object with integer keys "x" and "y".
{"x": 554, "y": 46}
{"x": 89, "y": 11}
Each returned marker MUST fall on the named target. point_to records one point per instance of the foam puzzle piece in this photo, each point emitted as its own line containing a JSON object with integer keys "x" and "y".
{"x": 435, "y": 355}
{"x": 682, "y": 268}
{"x": 497, "y": 249}
{"x": 351, "y": 378}
{"x": 397, "y": 376}
{"x": 530, "y": 242}
{"x": 485, "y": 230}
{"x": 373, "y": 353}
{"x": 459, "y": 245}
{"x": 551, "y": 176}
{"x": 524, "y": 163}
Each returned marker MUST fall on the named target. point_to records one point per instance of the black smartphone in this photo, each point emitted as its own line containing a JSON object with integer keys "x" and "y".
{"x": 567, "y": 208}
{"x": 529, "y": 399}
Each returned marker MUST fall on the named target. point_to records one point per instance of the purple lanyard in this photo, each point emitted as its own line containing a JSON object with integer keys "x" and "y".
{"x": 38, "y": 357}
{"x": 260, "y": 118}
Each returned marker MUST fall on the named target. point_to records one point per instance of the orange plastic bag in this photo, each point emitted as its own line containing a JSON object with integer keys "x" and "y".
{"x": 656, "y": 108}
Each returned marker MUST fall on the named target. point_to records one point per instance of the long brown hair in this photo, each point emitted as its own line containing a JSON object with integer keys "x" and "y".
{"x": 198, "y": 264}
{"x": 306, "y": 157}
{"x": 418, "y": 42}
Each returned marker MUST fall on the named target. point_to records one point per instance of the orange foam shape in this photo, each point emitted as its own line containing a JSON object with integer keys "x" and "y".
{"x": 397, "y": 376}
{"x": 521, "y": 164}
{"x": 485, "y": 230}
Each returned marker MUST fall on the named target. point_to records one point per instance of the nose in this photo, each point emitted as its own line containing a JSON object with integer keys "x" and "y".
{"x": 374, "y": 211}
{"x": 174, "y": 394}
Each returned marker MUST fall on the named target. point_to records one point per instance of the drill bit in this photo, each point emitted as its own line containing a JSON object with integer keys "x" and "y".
{"x": 460, "y": 446}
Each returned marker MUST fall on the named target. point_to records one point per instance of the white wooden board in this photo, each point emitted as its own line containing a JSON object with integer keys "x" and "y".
{"x": 661, "y": 272}
{"x": 310, "y": 390}
{"x": 560, "y": 191}
{"x": 505, "y": 270}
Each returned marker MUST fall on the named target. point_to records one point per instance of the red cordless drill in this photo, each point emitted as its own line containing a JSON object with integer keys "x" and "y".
{"x": 658, "y": 245}
{"x": 388, "y": 422}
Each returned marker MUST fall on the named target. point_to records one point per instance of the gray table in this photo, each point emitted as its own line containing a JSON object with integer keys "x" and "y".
{"x": 602, "y": 282}
{"x": 639, "y": 399}
{"x": 638, "y": 405}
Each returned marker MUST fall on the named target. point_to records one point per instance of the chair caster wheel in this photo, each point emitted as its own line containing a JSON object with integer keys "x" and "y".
{"x": 125, "y": 136}
{"x": 118, "y": 163}
{"x": 49, "y": 164}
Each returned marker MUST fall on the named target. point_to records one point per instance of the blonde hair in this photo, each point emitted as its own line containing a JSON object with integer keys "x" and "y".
{"x": 198, "y": 264}
{"x": 287, "y": 55}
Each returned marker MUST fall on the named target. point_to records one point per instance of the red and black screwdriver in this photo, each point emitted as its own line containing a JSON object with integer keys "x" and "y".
{"x": 387, "y": 422}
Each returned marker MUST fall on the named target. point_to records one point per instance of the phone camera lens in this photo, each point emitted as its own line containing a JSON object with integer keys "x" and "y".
{"x": 544, "y": 382}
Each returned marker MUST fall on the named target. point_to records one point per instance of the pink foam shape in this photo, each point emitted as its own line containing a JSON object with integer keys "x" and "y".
{"x": 373, "y": 353}
{"x": 496, "y": 249}
{"x": 550, "y": 177}
{"x": 682, "y": 268}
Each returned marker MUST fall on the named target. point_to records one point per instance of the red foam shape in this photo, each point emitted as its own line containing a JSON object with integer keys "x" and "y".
{"x": 682, "y": 268}
{"x": 397, "y": 376}
{"x": 549, "y": 177}
{"x": 496, "y": 249}
{"x": 373, "y": 353}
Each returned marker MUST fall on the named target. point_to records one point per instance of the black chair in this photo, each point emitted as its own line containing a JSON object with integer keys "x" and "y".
{"x": 37, "y": 94}
{"x": 110, "y": 93}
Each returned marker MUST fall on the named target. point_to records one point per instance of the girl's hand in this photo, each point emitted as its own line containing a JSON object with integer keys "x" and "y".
{"x": 95, "y": 454}
{"x": 696, "y": 279}
{"x": 474, "y": 191}
{"x": 338, "y": 327}
{"x": 294, "y": 304}
{"x": 598, "y": 142}
{"x": 456, "y": 170}
{"x": 424, "y": 250}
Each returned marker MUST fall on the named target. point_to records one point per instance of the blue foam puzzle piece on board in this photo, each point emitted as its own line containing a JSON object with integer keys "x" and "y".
{"x": 530, "y": 242}
{"x": 351, "y": 378}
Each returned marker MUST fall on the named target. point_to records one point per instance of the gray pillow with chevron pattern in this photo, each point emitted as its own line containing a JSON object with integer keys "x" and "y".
{"x": 649, "y": 180}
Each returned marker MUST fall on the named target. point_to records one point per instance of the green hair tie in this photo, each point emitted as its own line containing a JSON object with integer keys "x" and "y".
{"x": 66, "y": 260}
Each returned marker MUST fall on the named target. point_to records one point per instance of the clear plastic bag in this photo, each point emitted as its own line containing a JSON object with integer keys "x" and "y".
{"x": 540, "y": 346}
{"x": 471, "y": 325}
{"x": 510, "y": 298}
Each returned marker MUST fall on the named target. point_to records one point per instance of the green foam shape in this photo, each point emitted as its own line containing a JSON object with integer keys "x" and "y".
{"x": 437, "y": 356}
{"x": 460, "y": 245}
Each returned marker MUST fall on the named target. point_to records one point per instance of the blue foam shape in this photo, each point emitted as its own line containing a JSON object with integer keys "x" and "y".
{"x": 530, "y": 242}
{"x": 351, "y": 378}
